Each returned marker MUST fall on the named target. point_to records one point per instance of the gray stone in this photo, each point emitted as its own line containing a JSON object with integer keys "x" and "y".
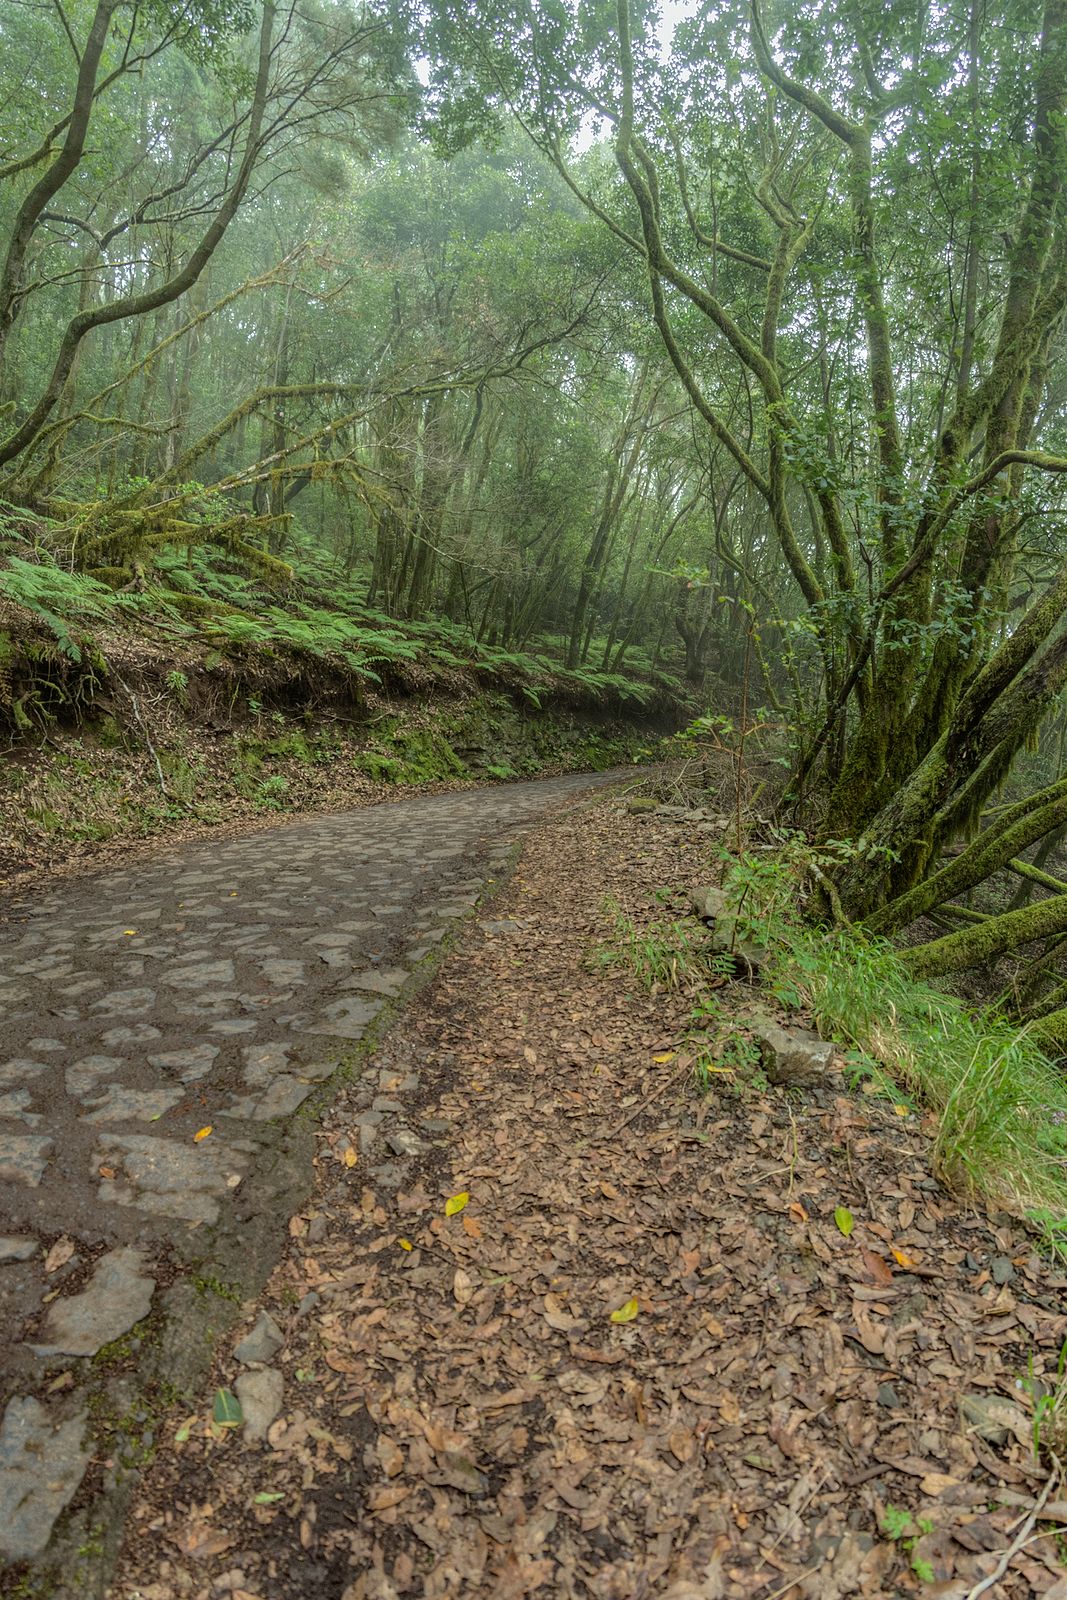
{"x": 17, "y": 1247}
{"x": 389, "y": 1175}
{"x": 118, "y": 1295}
{"x": 261, "y": 1394}
{"x": 262, "y": 1061}
{"x": 135, "y": 1033}
{"x": 201, "y": 975}
{"x": 278, "y": 1099}
{"x": 386, "y": 980}
{"x": 347, "y": 1019}
{"x": 24, "y": 1157}
{"x": 434, "y": 1124}
{"x": 39, "y": 1045}
{"x": 263, "y": 1341}
{"x": 994, "y": 1419}
{"x": 708, "y": 903}
{"x": 793, "y": 1056}
{"x": 83, "y": 1077}
{"x": 283, "y": 974}
{"x": 13, "y": 1074}
{"x": 15, "y": 1104}
{"x": 174, "y": 1180}
{"x": 126, "y": 1002}
{"x": 188, "y": 1065}
{"x": 41, "y": 1465}
{"x": 402, "y": 1142}
{"x": 132, "y": 1105}
{"x": 888, "y": 1397}
{"x": 1002, "y": 1269}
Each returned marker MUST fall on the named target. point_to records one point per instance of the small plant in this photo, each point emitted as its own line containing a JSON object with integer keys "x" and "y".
{"x": 897, "y": 1525}
{"x": 1050, "y": 1409}
{"x": 178, "y": 684}
{"x": 271, "y": 793}
{"x": 663, "y": 956}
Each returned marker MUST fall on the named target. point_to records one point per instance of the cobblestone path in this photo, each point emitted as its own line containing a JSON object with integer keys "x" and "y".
{"x": 212, "y": 987}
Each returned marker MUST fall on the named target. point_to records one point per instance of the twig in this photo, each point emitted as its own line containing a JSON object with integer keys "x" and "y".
{"x": 147, "y": 737}
{"x": 1019, "y": 1540}
{"x": 636, "y": 1112}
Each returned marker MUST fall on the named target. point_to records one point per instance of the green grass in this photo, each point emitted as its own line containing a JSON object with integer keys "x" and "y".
{"x": 1000, "y": 1104}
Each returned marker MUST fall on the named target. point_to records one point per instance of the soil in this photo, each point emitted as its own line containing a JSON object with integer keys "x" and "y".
{"x": 613, "y": 1335}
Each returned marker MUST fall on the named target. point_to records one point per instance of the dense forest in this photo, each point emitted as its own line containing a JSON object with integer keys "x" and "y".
{"x": 702, "y": 357}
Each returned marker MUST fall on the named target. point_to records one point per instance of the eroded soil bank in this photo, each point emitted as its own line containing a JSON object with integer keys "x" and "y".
{"x": 555, "y": 1324}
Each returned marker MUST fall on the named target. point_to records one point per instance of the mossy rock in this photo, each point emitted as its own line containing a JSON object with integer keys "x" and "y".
{"x": 644, "y": 807}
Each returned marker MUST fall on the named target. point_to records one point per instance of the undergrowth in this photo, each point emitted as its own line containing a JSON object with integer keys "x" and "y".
{"x": 1000, "y": 1104}
{"x": 202, "y": 597}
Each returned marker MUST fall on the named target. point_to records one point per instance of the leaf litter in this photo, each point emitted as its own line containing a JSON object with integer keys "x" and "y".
{"x": 614, "y": 1338}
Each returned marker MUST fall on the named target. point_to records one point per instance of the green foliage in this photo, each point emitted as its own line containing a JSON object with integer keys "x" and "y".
{"x": 1001, "y": 1105}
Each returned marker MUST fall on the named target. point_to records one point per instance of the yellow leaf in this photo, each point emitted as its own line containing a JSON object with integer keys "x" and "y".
{"x": 405, "y": 1244}
{"x": 202, "y": 1134}
{"x": 455, "y": 1203}
{"x": 902, "y": 1259}
{"x": 668, "y": 1055}
{"x": 902, "y": 1110}
{"x": 350, "y": 1158}
{"x": 626, "y": 1313}
{"x": 843, "y": 1218}
{"x": 129, "y": 932}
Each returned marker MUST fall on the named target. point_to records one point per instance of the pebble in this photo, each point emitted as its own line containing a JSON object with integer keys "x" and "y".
{"x": 263, "y": 1341}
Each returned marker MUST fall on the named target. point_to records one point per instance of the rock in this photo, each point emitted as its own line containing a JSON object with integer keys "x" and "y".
{"x": 119, "y": 1294}
{"x": 263, "y": 1341}
{"x": 793, "y": 1056}
{"x": 17, "y": 1247}
{"x": 641, "y": 806}
{"x": 173, "y": 1180}
{"x": 41, "y": 1465}
{"x": 24, "y": 1157}
{"x": 1002, "y": 1269}
{"x": 708, "y": 904}
{"x": 994, "y": 1419}
{"x": 261, "y": 1394}
{"x": 402, "y": 1142}
{"x": 887, "y": 1396}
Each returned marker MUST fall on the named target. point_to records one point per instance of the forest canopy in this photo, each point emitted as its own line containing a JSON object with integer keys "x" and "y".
{"x": 726, "y": 343}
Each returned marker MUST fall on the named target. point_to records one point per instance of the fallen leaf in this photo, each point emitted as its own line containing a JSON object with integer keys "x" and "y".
{"x": 902, "y": 1259}
{"x": 267, "y": 1497}
{"x": 59, "y": 1254}
{"x": 455, "y": 1203}
{"x": 472, "y": 1227}
{"x": 405, "y": 1244}
{"x": 462, "y": 1286}
{"x": 106, "y": 1172}
{"x": 844, "y": 1220}
{"x": 666, "y": 1055}
{"x": 878, "y": 1268}
{"x": 202, "y": 1134}
{"x": 797, "y": 1212}
{"x": 226, "y": 1411}
{"x": 349, "y": 1158}
{"x": 626, "y": 1313}
{"x": 683, "y": 1444}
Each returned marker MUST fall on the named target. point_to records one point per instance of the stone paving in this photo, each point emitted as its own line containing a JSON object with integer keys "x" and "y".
{"x": 214, "y": 988}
